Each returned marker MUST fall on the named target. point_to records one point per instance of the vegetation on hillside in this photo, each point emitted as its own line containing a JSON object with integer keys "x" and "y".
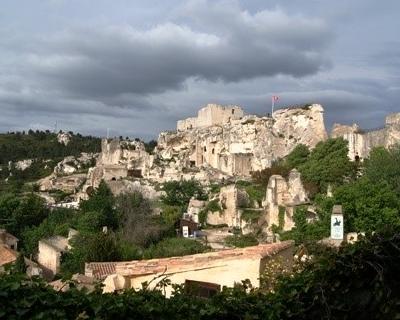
{"x": 17, "y": 146}
{"x": 43, "y": 149}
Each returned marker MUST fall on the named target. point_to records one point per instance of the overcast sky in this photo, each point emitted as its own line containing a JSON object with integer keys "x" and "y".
{"x": 138, "y": 66}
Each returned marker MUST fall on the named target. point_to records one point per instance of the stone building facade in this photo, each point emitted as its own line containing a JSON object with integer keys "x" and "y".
{"x": 215, "y": 269}
{"x": 211, "y": 115}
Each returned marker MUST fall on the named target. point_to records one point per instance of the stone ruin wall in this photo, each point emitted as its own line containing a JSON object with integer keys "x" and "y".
{"x": 210, "y": 115}
{"x": 240, "y": 146}
{"x": 233, "y": 147}
{"x": 361, "y": 142}
{"x": 286, "y": 194}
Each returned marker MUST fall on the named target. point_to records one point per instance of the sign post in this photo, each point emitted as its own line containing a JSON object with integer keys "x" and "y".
{"x": 185, "y": 231}
{"x": 337, "y": 223}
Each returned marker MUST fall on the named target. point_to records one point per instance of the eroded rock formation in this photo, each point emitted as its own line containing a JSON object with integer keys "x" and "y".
{"x": 220, "y": 143}
{"x": 361, "y": 142}
{"x": 282, "y": 197}
{"x": 239, "y": 144}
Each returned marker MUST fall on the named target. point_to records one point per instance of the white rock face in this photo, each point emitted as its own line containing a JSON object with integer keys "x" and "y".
{"x": 211, "y": 115}
{"x": 64, "y": 138}
{"x": 361, "y": 142}
{"x": 217, "y": 145}
{"x": 71, "y": 164}
{"x": 23, "y": 164}
{"x": 286, "y": 195}
{"x": 68, "y": 184}
{"x": 194, "y": 208}
{"x": 241, "y": 145}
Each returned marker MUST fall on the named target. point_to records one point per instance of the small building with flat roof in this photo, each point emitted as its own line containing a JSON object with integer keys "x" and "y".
{"x": 208, "y": 271}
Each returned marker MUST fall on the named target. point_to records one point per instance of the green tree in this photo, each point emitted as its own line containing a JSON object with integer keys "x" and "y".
{"x": 328, "y": 163}
{"x": 90, "y": 247}
{"x": 178, "y": 193}
{"x": 91, "y": 221}
{"x": 298, "y": 156}
{"x": 102, "y": 201}
{"x": 383, "y": 166}
{"x": 368, "y": 205}
{"x": 171, "y": 247}
{"x": 18, "y": 213}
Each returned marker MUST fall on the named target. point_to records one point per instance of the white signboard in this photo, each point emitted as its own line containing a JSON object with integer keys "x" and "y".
{"x": 337, "y": 226}
{"x": 185, "y": 231}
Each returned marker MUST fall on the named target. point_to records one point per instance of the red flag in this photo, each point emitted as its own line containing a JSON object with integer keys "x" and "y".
{"x": 275, "y": 98}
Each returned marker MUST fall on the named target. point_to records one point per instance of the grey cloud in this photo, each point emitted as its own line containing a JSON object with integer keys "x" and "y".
{"x": 121, "y": 59}
{"x": 137, "y": 69}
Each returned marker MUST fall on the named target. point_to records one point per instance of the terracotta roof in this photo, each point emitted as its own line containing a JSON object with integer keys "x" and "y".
{"x": 99, "y": 270}
{"x": 173, "y": 264}
{"x": 7, "y": 255}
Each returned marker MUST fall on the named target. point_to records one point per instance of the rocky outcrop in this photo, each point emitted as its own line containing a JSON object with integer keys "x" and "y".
{"x": 240, "y": 145}
{"x": 68, "y": 184}
{"x": 125, "y": 186}
{"x": 220, "y": 143}
{"x": 361, "y": 142}
{"x": 71, "y": 164}
{"x": 69, "y": 174}
{"x": 282, "y": 196}
{"x": 22, "y": 164}
{"x": 64, "y": 138}
{"x": 194, "y": 208}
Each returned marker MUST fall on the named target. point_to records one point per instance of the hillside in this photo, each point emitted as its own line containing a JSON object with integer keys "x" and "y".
{"x": 17, "y": 146}
{"x": 27, "y": 157}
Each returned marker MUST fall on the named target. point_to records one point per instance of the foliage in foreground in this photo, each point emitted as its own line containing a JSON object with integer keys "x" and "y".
{"x": 361, "y": 281}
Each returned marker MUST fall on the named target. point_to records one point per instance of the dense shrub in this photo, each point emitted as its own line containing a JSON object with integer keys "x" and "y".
{"x": 360, "y": 281}
{"x": 172, "y": 247}
{"x": 241, "y": 241}
{"x": 178, "y": 193}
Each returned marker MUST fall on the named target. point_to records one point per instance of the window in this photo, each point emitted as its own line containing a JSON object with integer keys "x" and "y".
{"x": 201, "y": 289}
{"x": 213, "y": 150}
{"x": 233, "y": 111}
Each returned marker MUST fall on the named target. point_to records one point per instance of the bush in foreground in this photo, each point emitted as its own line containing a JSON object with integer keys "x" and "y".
{"x": 359, "y": 281}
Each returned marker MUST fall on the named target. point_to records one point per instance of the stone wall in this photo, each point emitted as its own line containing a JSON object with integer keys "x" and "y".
{"x": 224, "y": 268}
{"x": 211, "y": 115}
{"x": 231, "y": 199}
{"x": 284, "y": 195}
{"x": 361, "y": 142}
{"x": 49, "y": 256}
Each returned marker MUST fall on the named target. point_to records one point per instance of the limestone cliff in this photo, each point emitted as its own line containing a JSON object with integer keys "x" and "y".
{"x": 361, "y": 142}
{"x": 284, "y": 195}
{"x": 221, "y": 142}
{"x": 237, "y": 146}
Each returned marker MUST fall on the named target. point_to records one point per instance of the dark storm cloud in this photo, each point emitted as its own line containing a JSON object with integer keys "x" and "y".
{"x": 122, "y": 59}
{"x": 137, "y": 67}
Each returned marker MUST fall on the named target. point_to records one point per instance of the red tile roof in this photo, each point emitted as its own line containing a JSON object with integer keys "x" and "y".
{"x": 99, "y": 270}
{"x": 142, "y": 267}
{"x": 7, "y": 255}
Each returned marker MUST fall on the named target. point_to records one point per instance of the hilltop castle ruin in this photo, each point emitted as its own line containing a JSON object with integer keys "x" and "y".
{"x": 219, "y": 143}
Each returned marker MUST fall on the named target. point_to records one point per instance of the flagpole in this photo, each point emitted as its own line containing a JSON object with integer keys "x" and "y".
{"x": 273, "y": 104}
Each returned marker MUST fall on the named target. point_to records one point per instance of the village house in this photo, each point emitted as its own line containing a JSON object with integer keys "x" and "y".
{"x": 207, "y": 271}
{"x": 8, "y": 249}
{"x": 7, "y": 256}
{"x": 50, "y": 252}
{"x": 8, "y": 240}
